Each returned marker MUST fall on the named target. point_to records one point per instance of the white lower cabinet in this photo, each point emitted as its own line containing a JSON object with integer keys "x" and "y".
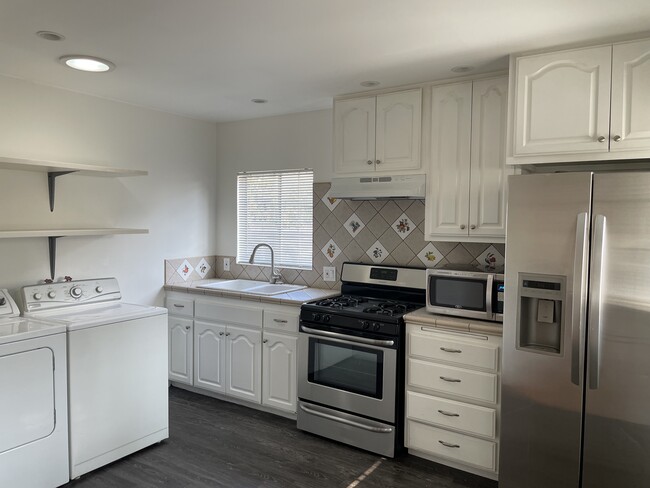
{"x": 279, "y": 367}
{"x": 244, "y": 363}
{"x": 452, "y": 397}
{"x": 180, "y": 349}
{"x": 210, "y": 356}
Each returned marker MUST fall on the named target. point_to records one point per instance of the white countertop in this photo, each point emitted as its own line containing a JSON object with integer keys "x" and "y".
{"x": 422, "y": 317}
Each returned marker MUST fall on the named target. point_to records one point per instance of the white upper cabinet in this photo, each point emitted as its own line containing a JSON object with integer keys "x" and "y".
{"x": 466, "y": 186}
{"x": 630, "y": 119}
{"x": 378, "y": 133}
{"x": 589, "y": 104}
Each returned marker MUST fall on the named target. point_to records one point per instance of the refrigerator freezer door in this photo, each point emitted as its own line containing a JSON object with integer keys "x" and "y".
{"x": 617, "y": 404}
{"x": 541, "y": 405}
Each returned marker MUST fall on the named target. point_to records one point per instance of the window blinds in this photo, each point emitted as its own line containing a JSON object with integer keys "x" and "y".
{"x": 276, "y": 208}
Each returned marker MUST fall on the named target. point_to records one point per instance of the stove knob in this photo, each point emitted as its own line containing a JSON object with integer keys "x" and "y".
{"x": 37, "y": 296}
{"x": 326, "y": 318}
{"x": 317, "y": 317}
{"x": 75, "y": 292}
{"x": 365, "y": 324}
{"x": 376, "y": 326}
{"x": 51, "y": 294}
{"x": 99, "y": 289}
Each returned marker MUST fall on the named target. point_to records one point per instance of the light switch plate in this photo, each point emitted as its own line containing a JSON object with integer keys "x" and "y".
{"x": 329, "y": 273}
{"x": 226, "y": 264}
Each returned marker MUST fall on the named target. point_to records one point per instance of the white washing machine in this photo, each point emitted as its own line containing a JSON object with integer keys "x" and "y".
{"x": 33, "y": 401}
{"x": 117, "y": 368}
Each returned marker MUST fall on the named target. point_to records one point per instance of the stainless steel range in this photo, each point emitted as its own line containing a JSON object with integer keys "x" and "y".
{"x": 351, "y": 357}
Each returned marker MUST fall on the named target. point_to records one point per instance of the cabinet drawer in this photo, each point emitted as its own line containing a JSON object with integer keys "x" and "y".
{"x": 455, "y": 381}
{"x": 285, "y": 321}
{"x": 180, "y": 306}
{"x": 448, "y": 413}
{"x": 448, "y": 348}
{"x": 226, "y": 312}
{"x": 459, "y": 447}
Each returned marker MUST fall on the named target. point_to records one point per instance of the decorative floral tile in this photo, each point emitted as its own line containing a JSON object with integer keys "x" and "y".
{"x": 185, "y": 270}
{"x": 203, "y": 268}
{"x": 403, "y": 226}
{"x": 430, "y": 256}
{"x": 331, "y": 250}
{"x": 491, "y": 259}
{"x": 377, "y": 252}
{"x": 331, "y": 202}
{"x": 354, "y": 225}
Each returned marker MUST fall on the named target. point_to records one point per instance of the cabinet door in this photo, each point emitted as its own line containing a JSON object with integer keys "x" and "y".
{"x": 447, "y": 202}
{"x": 488, "y": 191}
{"x": 210, "y": 356}
{"x": 279, "y": 370}
{"x": 180, "y": 349}
{"x": 630, "y": 120}
{"x": 399, "y": 127}
{"x": 244, "y": 363}
{"x": 354, "y": 135}
{"x": 562, "y": 102}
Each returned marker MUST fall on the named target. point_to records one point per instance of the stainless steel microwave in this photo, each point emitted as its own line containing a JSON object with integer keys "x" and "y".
{"x": 471, "y": 294}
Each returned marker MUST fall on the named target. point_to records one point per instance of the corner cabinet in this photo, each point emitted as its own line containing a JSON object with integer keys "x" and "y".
{"x": 585, "y": 104}
{"x": 379, "y": 133}
{"x": 467, "y": 173}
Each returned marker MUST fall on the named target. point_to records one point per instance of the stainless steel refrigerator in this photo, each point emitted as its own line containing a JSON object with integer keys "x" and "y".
{"x": 576, "y": 333}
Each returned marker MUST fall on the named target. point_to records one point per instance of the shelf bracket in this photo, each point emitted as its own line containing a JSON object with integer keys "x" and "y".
{"x": 51, "y": 183}
{"x": 51, "y": 240}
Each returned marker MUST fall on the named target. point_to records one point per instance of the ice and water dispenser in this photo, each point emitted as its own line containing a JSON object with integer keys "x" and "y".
{"x": 540, "y": 323}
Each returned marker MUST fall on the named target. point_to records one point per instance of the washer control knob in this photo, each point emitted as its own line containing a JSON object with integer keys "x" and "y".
{"x": 75, "y": 292}
{"x": 365, "y": 324}
{"x": 51, "y": 294}
{"x": 37, "y": 296}
{"x": 99, "y": 289}
{"x": 376, "y": 326}
{"x": 3, "y": 300}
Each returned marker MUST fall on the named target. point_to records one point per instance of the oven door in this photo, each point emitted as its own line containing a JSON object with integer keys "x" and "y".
{"x": 350, "y": 373}
{"x": 463, "y": 294}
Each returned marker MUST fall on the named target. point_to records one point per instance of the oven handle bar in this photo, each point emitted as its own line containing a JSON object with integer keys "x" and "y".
{"x": 336, "y": 335}
{"x": 379, "y": 430}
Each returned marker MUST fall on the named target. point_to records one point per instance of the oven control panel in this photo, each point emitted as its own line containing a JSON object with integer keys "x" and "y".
{"x": 62, "y": 294}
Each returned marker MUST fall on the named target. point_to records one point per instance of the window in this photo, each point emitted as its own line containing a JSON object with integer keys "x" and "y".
{"x": 276, "y": 207}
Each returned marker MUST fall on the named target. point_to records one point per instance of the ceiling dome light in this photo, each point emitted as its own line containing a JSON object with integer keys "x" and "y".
{"x": 369, "y": 83}
{"x": 50, "y": 36}
{"x": 462, "y": 69}
{"x": 259, "y": 100}
{"x": 87, "y": 63}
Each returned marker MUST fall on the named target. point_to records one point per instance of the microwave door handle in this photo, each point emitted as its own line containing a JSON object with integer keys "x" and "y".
{"x": 488, "y": 296}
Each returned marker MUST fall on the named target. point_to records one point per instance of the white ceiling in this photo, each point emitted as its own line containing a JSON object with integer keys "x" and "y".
{"x": 208, "y": 58}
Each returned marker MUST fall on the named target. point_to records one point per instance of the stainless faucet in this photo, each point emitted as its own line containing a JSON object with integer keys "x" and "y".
{"x": 275, "y": 276}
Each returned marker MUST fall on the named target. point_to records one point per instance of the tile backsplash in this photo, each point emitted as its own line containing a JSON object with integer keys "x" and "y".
{"x": 389, "y": 232}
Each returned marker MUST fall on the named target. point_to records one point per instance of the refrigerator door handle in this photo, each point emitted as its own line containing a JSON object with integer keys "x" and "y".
{"x": 578, "y": 319}
{"x": 596, "y": 300}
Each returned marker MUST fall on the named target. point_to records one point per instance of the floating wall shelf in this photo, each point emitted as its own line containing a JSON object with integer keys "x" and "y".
{"x": 55, "y": 169}
{"x": 54, "y": 234}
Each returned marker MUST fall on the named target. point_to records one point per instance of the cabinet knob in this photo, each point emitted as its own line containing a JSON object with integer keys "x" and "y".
{"x": 378, "y": 162}
{"x": 369, "y": 162}
{"x": 221, "y": 333}
{"x": 462, "y": 226}
{"x": 601, "y": 139}
{"x": 617, "y": 138}
{"x": 187, "y": 327}
{"x": 472, "y": 226}
{"x": 265, "y": 341}
{"x": 227, "y": 334}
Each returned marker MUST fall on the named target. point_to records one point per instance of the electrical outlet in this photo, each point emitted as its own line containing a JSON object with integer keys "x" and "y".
{"x": 226, "y": 264}
{"x": 329, "y": 273}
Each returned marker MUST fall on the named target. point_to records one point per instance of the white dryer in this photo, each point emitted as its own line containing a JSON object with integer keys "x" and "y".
{"x": 33, "y": 401}
{"x": 117, "y": 368}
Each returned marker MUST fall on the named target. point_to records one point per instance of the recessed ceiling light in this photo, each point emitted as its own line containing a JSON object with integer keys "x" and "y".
{"x": 87, "y": 63}
{"x": 50, "y": 36}
{"x": 369, "y": 83}
{"x": 462, "y": 69}
{"x": 259, "y": 100}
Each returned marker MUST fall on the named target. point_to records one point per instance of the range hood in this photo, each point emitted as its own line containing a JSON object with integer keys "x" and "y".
{"x": 373, "y": 187}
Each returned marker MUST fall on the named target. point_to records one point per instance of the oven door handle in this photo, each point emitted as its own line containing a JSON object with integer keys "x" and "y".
{"x": 349, "y": 338}
{"x": 371, "y": 428}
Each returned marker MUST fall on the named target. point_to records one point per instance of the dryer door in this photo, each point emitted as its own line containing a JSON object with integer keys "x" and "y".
{"x": 27, "y": 407}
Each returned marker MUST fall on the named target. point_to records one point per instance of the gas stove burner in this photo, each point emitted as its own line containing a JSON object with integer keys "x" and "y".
{"x": 341, "y": 302}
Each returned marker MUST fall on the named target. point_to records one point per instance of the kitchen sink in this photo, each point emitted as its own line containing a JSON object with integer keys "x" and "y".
{"x": 252, "y": 287}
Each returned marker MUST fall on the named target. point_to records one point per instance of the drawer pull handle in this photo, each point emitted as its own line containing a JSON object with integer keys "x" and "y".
{"x": 450, "y": 380}
{"x": 448, "y": 414}
{"x": 447, "y": 349}
{"x": 447, "y": 444}
{"x": 178, "y": 306}
{"x": 280, "y": 321}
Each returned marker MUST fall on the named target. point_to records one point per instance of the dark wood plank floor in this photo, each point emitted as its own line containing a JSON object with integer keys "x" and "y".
{"x": 218, "y": 444}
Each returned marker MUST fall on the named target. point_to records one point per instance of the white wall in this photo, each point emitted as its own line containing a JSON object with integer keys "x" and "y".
{"x": 176, "y": 201}
{"x": 302, "y": 140}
